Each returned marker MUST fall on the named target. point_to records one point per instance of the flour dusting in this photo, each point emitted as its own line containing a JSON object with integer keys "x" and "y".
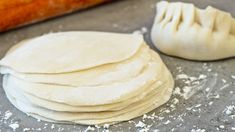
{"x": 14, "y": 126}
{"x": 7, "y": 115}
{"x": 192, "y": 85}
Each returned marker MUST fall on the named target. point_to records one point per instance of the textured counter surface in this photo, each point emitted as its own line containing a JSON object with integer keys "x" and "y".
{"x": 203, "y": 99}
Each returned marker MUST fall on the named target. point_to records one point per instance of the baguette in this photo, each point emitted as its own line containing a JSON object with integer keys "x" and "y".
{"x": 16, "y": 13}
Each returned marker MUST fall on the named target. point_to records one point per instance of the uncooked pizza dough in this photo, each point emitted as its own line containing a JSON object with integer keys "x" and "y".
{"x": 185, "y": 31}
{"x": 85, "y": 77}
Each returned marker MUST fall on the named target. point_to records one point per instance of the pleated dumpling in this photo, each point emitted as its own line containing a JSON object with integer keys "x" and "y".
{"x": 185, "y": 31}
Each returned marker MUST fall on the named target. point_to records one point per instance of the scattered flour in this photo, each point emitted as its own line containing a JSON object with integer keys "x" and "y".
{"x": 175, "y": 101}
{"x": 14, "y": 126}
{"x": 216, "y": 96}
{"x": 198, "y": 130}
{"x": 167, "y": 122}
{"x": 140, "y": 124}
{"x": 198, "y": 105}
{"x": 182, "y": 76}
{"x": 143, "y": 30}
{"x": 211, "y": 102}
{"x": 97, "y": 126}
{"x": 38, "y": 120}
{"x": 221, "y": 127}
{"x": 225, "y": 86}
{"x": 7, "y": 115}
{"x": 229, "y": 110}
{"x": 177, "y": 91}
{"x": 233, "y": 76}
{"x": 52, "y": 126}
{"x": 26, "y": 129}
{"x": 202, "y": 76}
{"x": 223, "y": 80}
{"x": 207, "y": 89}
{"x": 60, "y": 129}
{"x": 156, "y": 130}
{"x": 106, "y": 126}
{"x": 146, "y": 129}
{"x": 187, "y": 92}
{"x": 191, "y": 85}
{"x": 89, "y": 128}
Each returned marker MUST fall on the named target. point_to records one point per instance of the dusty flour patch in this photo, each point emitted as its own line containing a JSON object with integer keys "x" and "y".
{"x": 233, "y": 76}
{"x": 230, "y": 111}
{"x": 14, "y": 126}
{"x": 142, "y": 127}
{"x": 143, "y": 30}
{"x": 198, "y": 130}
{"x": 7, "y": 119}
{"x": 191, "y": 86}
{"x": 90, "y": 128}
{"x": 7, "y": 115}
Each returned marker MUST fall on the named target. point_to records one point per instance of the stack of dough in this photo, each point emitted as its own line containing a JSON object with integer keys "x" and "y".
{"x": 85, "y": 77}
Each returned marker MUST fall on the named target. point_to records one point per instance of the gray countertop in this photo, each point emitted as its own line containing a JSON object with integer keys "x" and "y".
{"x": 203, "y": 98}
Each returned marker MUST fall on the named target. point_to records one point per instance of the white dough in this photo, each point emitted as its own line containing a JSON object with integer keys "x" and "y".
{"x": 183, "y": 30}
{"x": 100, "y": 75}
{"x": 133, "y": 110}
{"x": 22, "y": 96}
{"x": 89, "y": 115}
{"x": 90, "y": 95}
{"x": 71, "y": 51}
{"x": 85, "y": 77}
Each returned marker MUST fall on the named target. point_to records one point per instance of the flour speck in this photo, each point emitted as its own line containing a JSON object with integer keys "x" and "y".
{"x": 7, "y": 115}
{"x": 14, "y": 126}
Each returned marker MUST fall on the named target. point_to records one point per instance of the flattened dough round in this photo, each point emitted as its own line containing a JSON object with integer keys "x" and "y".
{"x": 90, "y": 95}
{"x": 100, "y": 75}
{"x": 71, "y": 51}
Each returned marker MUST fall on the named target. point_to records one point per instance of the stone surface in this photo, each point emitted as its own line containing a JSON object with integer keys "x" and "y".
{"x": 203, "y": 98}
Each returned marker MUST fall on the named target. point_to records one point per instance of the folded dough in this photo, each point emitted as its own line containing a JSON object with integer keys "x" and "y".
{"x": 183, "y": 30}
{"x": 121, "y": 79}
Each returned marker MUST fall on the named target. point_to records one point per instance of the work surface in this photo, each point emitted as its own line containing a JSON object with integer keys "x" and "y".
{"x": 203, "y": 98}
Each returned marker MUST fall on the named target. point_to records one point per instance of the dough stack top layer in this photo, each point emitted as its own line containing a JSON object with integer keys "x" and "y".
{"x": 85, "y": 77}
{"x": 71, "y": 51}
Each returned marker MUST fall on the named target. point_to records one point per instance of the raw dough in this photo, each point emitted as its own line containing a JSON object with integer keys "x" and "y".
{"x": 134, "y": 110}
{"x": 86, "y": 78}
{"x": 104, "y": 74}
{"x": 76, "y": 51}
{"x": 185, "y": 31}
